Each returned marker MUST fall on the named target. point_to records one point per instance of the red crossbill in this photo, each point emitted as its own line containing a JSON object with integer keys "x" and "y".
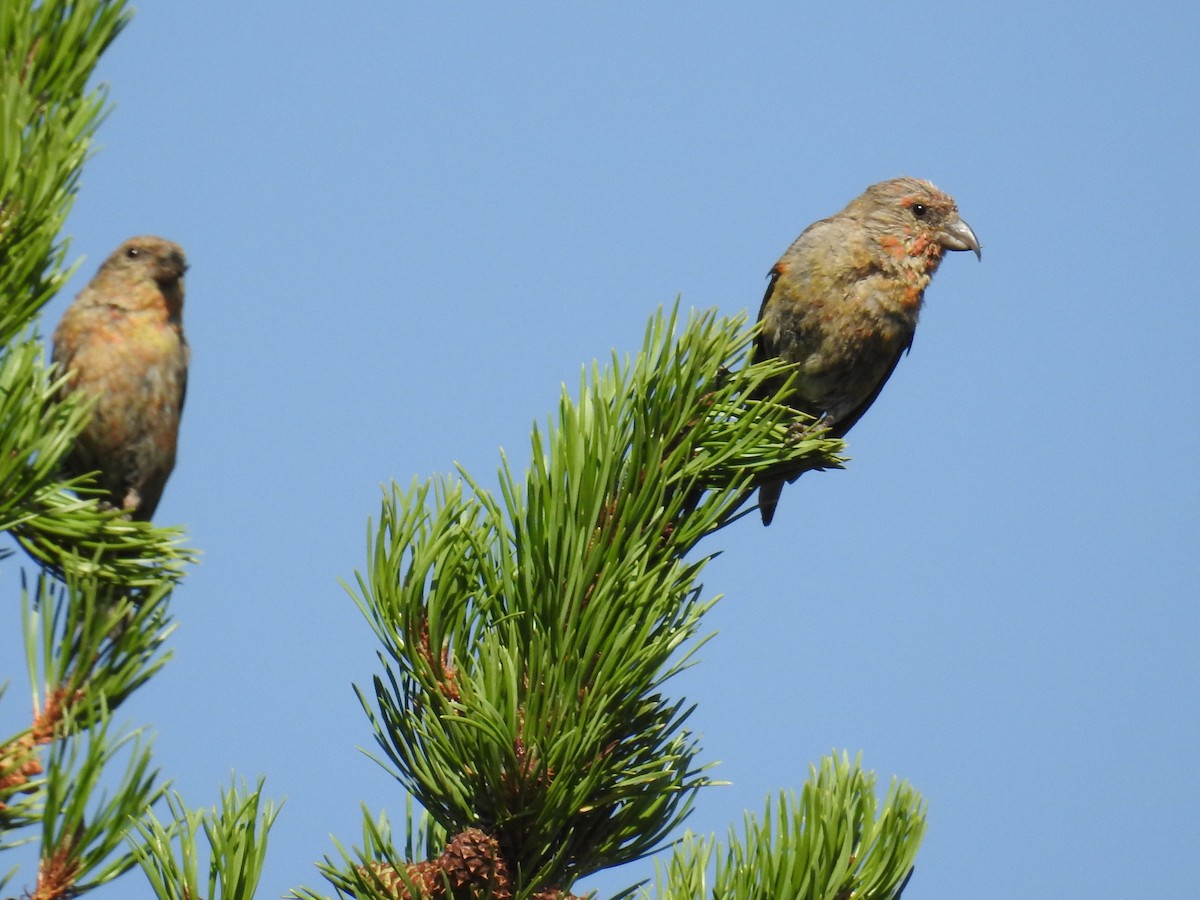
{"x": 843, "y": 301}
{"x": 122, "y": 342}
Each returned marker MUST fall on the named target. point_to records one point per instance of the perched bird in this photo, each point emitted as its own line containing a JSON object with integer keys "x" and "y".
{"x": 122, "y": 342}
{"x": 843, "y": 301}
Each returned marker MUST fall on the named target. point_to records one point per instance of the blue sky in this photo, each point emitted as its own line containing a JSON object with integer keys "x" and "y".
{"x": 410, "y": 223}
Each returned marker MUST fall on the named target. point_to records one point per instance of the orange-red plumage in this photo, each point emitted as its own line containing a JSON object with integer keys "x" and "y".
{"x": 122, "y": 343}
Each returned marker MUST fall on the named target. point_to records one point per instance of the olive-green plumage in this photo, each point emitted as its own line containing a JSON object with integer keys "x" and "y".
{"x": 843, "y": 300}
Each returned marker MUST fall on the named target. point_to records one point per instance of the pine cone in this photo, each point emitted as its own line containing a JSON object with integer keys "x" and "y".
{"x": 471, "y": 866}
{"x": 424, "y": 876}
{"x": 475, "y": 868}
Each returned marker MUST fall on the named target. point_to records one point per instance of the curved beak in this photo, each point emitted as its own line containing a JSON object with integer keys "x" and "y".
{"x": 957, "y": 235}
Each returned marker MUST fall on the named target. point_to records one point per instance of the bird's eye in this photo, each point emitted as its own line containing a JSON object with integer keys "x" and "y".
{"x": 132, "y": 252}
{"x": 919, "y": 210}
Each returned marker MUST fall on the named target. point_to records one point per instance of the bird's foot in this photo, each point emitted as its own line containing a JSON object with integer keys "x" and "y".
{"x": 799, "y": 431}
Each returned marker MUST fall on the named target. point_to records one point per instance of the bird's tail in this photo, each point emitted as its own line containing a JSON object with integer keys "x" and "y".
{"x": 768, "y": 499}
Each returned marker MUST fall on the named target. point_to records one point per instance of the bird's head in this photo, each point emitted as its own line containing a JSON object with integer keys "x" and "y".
{"x": 150, "y": 257}
{"x": 913, "y": 221}
{"x": 143, "y": 273}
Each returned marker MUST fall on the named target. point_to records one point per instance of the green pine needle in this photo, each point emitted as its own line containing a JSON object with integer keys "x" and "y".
{"x": 527, "y": 636}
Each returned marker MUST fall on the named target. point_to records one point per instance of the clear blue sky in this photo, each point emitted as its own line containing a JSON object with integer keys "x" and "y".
{"x": 409, "y": 223}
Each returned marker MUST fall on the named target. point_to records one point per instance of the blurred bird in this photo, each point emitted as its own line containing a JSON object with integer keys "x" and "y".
{"x": 122, "y": 342}
{"x": 843, "y": 301}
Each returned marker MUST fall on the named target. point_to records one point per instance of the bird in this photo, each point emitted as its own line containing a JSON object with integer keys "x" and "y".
{"x": 842, "y": 303}
{"x": 121, "y": 343}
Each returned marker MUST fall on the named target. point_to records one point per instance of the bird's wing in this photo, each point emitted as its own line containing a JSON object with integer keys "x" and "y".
{"x": 761, "y": 350}
{"x": 846, "y": 422}
{"x": 794, "y": 260}
{"x": 183, "y": 379}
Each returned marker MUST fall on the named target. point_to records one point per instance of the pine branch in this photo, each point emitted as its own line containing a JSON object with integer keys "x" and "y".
{"x": 835, "y": 842}
{"x": 47, "y": 120}
{"x": 235, "y": 832}
{"x": 95, "y": 618}
{"x": 528, "y": 636}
